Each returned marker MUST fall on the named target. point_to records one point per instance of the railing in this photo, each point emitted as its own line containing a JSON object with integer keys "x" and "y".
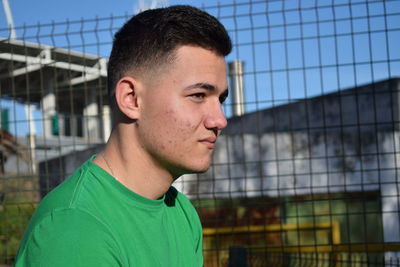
{"x": 230, "y": 242}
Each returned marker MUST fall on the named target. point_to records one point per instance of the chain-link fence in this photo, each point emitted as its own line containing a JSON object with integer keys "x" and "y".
{"x": 306, "y": 173}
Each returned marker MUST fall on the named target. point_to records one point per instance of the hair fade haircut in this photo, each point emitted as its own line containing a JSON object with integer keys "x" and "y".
{"x": 150, "y": 38}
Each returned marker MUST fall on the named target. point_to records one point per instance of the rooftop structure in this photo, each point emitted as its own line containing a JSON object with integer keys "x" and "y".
{"x": 69, "y": 86}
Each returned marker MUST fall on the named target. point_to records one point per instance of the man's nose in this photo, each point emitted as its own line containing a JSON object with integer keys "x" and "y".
{"x": 215, "y": 118}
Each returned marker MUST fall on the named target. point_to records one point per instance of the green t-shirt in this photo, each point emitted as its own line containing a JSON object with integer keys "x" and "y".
{"x": 93, "y": 220}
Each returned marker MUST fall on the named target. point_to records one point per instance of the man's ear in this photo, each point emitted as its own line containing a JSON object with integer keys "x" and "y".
{"x": 127, "y": 97}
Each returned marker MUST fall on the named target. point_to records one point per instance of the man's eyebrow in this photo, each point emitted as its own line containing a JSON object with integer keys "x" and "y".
{"x": 206, "y": 86}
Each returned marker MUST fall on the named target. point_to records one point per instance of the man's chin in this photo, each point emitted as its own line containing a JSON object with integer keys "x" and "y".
{"x": 203, "y": 170}
{"x": 194, "y": 170}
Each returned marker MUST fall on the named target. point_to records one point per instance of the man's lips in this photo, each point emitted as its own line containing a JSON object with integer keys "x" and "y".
{"x": 209, "y": 141}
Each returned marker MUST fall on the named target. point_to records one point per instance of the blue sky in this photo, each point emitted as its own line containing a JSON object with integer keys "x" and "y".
{"x": 31, "y": 12}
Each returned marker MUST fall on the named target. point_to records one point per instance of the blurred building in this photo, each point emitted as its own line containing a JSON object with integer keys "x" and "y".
{"x": 69, "y": 88}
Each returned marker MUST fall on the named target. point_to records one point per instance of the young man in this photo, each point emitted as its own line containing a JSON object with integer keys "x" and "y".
{"x": 167, "y": 82}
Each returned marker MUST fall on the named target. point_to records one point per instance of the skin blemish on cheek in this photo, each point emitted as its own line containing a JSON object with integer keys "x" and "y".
{"x": 169, "y": 111}
{"x": 188, "y": 125}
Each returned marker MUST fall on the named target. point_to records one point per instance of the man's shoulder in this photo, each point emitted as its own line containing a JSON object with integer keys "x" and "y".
{"x": 64, "y": 193}
{"x": 65, "y": 199}
{"x": 71, "y": 214}
{"x": 64, "y": 233}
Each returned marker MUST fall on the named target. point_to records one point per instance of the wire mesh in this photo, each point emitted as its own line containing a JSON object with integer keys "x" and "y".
{"x": 306, "y": 175}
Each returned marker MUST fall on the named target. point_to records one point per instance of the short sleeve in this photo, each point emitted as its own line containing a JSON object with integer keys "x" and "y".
{"x": 69, "y": 237}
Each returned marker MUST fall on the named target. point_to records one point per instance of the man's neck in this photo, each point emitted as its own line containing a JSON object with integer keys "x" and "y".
{"x": 133, "y": 168}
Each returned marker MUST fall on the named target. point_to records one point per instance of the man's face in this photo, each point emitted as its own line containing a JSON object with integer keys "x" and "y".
{"x": 181, "y": 111}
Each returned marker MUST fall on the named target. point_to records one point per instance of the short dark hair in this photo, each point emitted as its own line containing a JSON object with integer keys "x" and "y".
{"x": 150, "y": 38}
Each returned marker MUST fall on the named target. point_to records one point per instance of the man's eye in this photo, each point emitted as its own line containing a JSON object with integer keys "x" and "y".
{"x": 198, "y": 96}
